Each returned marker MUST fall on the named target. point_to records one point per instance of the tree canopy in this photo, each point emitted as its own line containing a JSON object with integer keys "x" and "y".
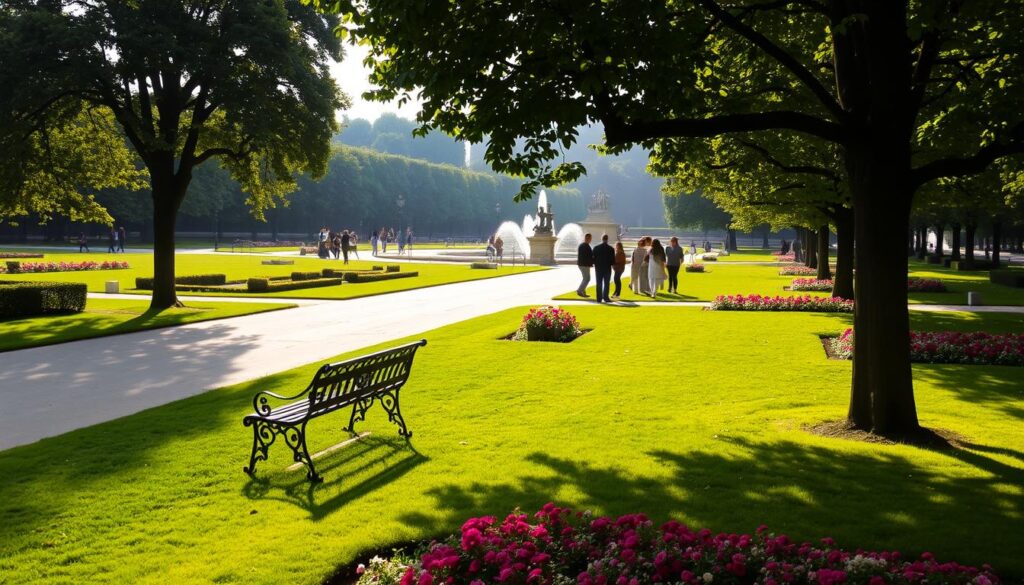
{"x": 187, "y": 81}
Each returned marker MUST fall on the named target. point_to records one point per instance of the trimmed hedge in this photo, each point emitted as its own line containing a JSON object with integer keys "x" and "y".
{"x": 1007, "y": 277}
{"x": 20, "y": 255}
{"x": 394, "y": 268}
{"x": 261, "y": 285}
{"x": 483, "y": 265}
{"x": 377, "y": 268}
{"x": 978, "y": 265}
{"x": 305, "y": 275}
{"x": 28, "y": 299}
{"x": 146, "y": 283}
{"x": 934, "y": 259}
{"x": 357, "y": 277}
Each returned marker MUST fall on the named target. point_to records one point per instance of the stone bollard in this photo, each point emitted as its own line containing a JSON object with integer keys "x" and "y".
{"x": 112, "y": 287}
{"x": 974, "y": 299}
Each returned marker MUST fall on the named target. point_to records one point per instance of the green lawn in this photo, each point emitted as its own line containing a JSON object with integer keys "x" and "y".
{"x": 765, "y": 280}
{"x": 113, "y": 316}
{"x": 240, "y": 267}
{"x": 675, "y": 412}
{"x": 749, "y": 255}
{"x": 719, "y": 279}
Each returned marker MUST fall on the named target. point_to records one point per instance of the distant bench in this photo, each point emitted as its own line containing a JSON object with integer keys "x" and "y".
{"x": 356, "y": 382}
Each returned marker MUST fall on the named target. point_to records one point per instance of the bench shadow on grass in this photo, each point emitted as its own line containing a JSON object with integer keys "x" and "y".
{"x": 374, "y": 460}
{"x": 879, "y": 499}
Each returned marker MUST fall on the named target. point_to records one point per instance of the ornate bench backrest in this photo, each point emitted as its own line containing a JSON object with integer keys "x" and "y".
{"x": 343, "y": 383}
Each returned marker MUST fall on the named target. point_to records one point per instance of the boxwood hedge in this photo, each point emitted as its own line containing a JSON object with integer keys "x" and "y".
{"x": 27, "y": 299}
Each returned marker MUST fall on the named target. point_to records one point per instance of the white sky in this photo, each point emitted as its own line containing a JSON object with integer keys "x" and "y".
{"x": 352, "y": 78}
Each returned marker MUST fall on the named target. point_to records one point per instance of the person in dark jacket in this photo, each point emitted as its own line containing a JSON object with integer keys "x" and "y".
{"x": 346, "y": 241}
{"x": 122, "y": 235}
{"x": 584, "y": 259}
{"x": 604, "y": 258}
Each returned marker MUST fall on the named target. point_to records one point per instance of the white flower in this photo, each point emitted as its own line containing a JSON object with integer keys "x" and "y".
{"x": 708, "y": 577}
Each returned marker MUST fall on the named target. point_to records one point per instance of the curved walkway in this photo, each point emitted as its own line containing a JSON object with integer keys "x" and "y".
{"x": 50, "y": 390}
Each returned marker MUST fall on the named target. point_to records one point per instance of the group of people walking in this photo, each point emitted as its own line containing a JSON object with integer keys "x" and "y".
{"x": 384, "y": 236}
{"x": 651, "y": 265}
{"x": 332, "y": 244}
{"x": 116, "y": 238}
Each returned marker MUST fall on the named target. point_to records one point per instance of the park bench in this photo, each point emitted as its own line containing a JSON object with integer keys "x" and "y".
{"x": 356, "y": 382}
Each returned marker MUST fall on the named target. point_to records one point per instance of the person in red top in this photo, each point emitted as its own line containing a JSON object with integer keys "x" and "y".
{"x": 619, "y": 266}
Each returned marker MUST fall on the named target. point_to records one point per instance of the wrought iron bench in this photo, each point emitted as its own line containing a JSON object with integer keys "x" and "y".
{"x": 356, "y": 382}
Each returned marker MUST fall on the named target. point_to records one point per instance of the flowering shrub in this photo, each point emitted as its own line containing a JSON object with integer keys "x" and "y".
{"x": 787, "y": 257}
{"x": 548, "y": 324}
{"x": 797, "y": 270}
{"x": 925, "y": 285}
{"x": 694, "y": 268}
{"x": 811, "y": 284}
{"x": 950, "y": 347}
{"x": 380, "y": 571}
{"x": 559, "y": 546}
{"x": 712, "y": 257}
{"x": 797, "y": 303}
{"x": 25, "y": 267}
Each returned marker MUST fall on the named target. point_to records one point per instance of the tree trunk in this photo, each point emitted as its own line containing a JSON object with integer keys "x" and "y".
{"x": 842, "y": 283}
{"x": 730, "y": 240}
{"x": 922, "y": 238}
{"x": 939, "y": 232}
{"x": 764, "y": 240}
{"x": 969, "y": 232}
{"x": 824, "y": 270}
{"x": 167, "y": 197}
{"x": 812, "y": 248}
{"x": 911, "y": 239}
{"x": 997, "y": 236}
{"x": 955, "y": 237}
{"x": 798, "y": 248}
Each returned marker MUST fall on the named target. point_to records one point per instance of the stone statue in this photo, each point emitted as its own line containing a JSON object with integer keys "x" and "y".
{"x": 599, "y": 202}
{"x": 545, "y": 221}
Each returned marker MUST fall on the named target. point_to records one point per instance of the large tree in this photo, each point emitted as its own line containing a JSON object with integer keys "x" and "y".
{"x": 187, "y": 81}
{"x": 882, "y": 80}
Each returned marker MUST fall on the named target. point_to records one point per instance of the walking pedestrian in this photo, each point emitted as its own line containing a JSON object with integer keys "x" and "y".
{"x": 122, "y": 235}
{"x": 673, "y": 260}
{"x": 618, "y": 268}
{"x": 83, "y": 242}
{"x": 584, "y": 260}
{"x": 639, "y": 253}
{"x": 604, "y": 259}
{"x": 346, "y": 241}
{"x": 656, "y": 267}
{"x": 112, "y": 238}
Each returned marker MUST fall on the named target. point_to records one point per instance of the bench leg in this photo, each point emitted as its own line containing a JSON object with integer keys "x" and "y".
{"x": 389, "y": 400}
{"x": 263, "y": 436}
{"x": 359, "y": 409}
{"x": 296, "y": 439}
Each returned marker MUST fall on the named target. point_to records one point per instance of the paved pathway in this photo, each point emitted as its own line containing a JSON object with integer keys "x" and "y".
{"x": 50, "y": 390}
{"x": 47, "y": 391}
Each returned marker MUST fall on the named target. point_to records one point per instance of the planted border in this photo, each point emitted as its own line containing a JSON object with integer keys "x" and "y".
{"x": 777, "y": 303}
{"x": 947, "y": 347}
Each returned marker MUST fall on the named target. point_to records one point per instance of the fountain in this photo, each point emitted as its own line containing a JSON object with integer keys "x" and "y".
{"x": 542, "y": 240}
{"x": 599, "y": 219}
{"x": 568, "y": 240}
{"x": 515, "y": 240}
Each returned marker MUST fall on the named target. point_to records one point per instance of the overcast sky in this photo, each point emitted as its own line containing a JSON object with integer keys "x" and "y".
{"x": 351, "y": 77}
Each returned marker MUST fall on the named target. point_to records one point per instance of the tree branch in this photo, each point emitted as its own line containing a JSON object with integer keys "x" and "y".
{"x": 618, "y": 133}
{"x": 779, "y": 54}
{"x": 770, "y": 159}
{"x": 969, "y": 165}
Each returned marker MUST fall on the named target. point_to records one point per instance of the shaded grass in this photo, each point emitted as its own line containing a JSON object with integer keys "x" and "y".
{"x": 705, "y": 426}
{"x": 104, "y": 317}
{"x": 240, "y": 267}
{"x": 959, "y": 284}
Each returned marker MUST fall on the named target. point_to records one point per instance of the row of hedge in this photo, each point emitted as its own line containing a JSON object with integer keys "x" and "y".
{"x": 264, "y": 285}
{"x": 1007, "y": 277}
{"x": 196, "y": 279}
{"x": 28, "y": 299}
{"x": 357, "y": 277}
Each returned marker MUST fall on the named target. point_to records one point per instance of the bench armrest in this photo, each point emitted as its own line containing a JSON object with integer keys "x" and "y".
{"x": 261, "y": 402}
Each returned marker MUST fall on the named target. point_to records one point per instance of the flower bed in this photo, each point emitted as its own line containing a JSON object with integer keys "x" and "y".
{"x": 777, "y": 303}
{"x": 559, "y": 546}
{"x": 694, "y": 268}
{"x": 931, "y": 285}
{"x": 548, "y": 324}
{"x": 950, "y": 347}
{"x": 788, "y": 257}
{"x": 712, "y": 257}
{"x": 824, "y": 284}
{"x": 34, "y": 267}
{"x": 797, "y": 270}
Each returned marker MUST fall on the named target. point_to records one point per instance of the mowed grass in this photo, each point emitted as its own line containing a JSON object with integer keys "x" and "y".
{"x": 675, "y": 412}
{"x": 241, "y": 267}
{"x": 705, "y": 286}
{"x": 113, "y": 316}
{"x": 748, "y": 255}
{"x": 765, "y": 280}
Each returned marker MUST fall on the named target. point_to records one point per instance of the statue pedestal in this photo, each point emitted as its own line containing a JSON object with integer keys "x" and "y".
{"x": 542, "y": 249}
{"x": 598, "y": 228}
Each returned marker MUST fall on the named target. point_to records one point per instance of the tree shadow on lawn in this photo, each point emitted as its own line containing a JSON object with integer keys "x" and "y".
{"x": 388, "y": 459}
{"x": 878, "y": 499}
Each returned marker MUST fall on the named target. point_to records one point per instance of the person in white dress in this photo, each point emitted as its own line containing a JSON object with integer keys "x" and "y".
{"x": 656, "y": 267}
{"x": 636, "y": 260}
